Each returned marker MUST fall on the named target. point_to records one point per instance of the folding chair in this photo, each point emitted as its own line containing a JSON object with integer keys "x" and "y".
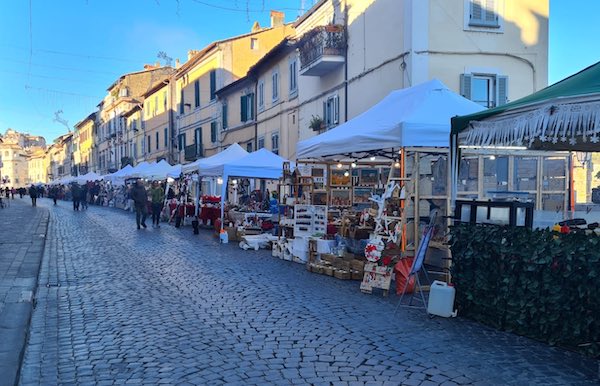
{"x": 417, "y": 266}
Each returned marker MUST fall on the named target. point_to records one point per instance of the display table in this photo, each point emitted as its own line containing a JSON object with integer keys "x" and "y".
{"x": 186, "y": 210}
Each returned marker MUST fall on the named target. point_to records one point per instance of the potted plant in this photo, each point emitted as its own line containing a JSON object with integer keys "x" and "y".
{"x": 316, "y": 123}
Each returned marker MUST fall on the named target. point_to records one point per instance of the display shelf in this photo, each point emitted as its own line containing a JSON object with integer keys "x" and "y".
{"x": 310, "y": 220}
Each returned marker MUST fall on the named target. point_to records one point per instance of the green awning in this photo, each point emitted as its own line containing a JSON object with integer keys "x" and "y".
{"x": 583, "y": 83}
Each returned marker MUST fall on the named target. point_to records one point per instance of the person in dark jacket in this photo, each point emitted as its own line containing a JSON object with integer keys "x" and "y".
{"x": 158, "y": 197}
{"x": 140, "y": 198}
{"x": 76, "y": 195}
{"x": 33, "y": 193}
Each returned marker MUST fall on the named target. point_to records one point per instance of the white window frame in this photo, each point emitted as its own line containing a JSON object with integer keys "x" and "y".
{"x": 261, "y": 95}
{"x": 493, "y": 28}
{"x": 331, "y": 111}
{"x": 260, "y": 143}
{"x": 275, "y": 85}
{"x": 490, "y": 73}
{"x": 254, "y": 44}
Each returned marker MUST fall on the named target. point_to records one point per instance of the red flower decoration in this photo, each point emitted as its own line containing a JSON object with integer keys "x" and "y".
{"x": 387, "y": 260}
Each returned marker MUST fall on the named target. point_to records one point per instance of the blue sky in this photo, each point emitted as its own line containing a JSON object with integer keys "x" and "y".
{"x": 65, "y": 53}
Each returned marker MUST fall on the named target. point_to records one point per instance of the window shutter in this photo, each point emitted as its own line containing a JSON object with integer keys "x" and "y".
{"x": 490, "y": 12}
{"x": 476, "y": 11}
{"x": 157, "y": 140}
{"x": 224, "y": 113}
{"x": 336, "y": 108}
{"x": 244, "y": 108}
{"x": 213, "y": 131}
{"x": 325, "y": 118}
{"x": 502, "y": 90}
{"x": 197, "y": 93}
{"x": 181, "y": 103}
{"x": 251, "y": 106}
{"x": 213, "y": 84}
{"x": 465, "y": 85}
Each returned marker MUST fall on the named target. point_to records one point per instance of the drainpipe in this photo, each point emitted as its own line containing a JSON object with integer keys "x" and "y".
{"x": 346, "y": 61}
{"x": 255, "y": 113}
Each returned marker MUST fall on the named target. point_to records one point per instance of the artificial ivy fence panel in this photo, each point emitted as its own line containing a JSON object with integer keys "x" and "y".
{"x": 535, "y": 283}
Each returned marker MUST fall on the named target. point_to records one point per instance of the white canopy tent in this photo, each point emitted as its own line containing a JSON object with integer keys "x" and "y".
{"x": 118, "y": 177}
{"x": 175, "y": 171}
{"x": 91, "y": 176}
{"x": 410, "y": 117}
{"x": 138, "y": 170}
{"x": 213, "y": 165}
{"x": 259, "y": 164}
{"x": 156, "y": 171}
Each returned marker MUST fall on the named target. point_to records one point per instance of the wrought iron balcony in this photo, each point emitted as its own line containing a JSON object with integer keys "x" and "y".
{"x": 193, "y": 152}
{"x": 322, "y": 50}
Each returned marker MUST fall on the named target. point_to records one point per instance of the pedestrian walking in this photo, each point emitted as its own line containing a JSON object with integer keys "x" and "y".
{"x": 7, "y": 192}
{"x": 75, "y": 195}
{"x": 140, "y": 198}
{"x": 158, "y": 197}
{"x": 12, "y": 193}
{"x": 54, "y": 193}
{"x": 33, "y": 194}
{"x": 83, "y": 196}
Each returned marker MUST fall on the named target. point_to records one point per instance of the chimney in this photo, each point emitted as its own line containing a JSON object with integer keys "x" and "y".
{"x": 177, "y": 63}
{"x": 277, "y": 19}
{"x": 157, "y": 65}
{"x": 191, "y": 53}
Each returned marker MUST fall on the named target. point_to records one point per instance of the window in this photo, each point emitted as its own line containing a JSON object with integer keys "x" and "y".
{"x": 181, "y": 102}
{"x": 261, "y": 95}
{"x": 293, "y": 76}
{"x": 275, "y": 143}
{"x": 197, "y": 93}
{"x": 483, "y": 13}
{"x": 213, "y": 131}
{"x": 213, "y": 85}
{"x": 149, "y": 147}
{"x": 157, "y": 141}
{"x": 331, "y": 111}
{"x": 166, "y": 136}
{"x": 249, "y": 147}
{"x": 181, "y": 142}
{"x": 261, "y": 143}
{"x": 487, "y": 90}
{"x": 247, "y": 107}
{"x": 198, "y": 140}
{"x": 275, "y": 79}
{"x": 224, "y": 116}
{"x": 165, "y": 100}
{"x": 253, "y": 43}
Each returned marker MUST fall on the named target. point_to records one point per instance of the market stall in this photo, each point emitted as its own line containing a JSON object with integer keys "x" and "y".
{"x": 536, "y": 282}
{"x": 383, "y": 172}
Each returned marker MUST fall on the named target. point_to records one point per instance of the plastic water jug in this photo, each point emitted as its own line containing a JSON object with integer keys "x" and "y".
{"x": 224, "y": 237}
{"x": 441, "y": 299}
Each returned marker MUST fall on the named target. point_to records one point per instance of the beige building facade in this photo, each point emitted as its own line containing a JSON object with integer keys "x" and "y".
{"x": 199, "y": 117}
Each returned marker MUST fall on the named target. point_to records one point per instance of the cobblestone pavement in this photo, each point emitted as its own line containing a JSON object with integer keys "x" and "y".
{"x": 22, "y": 235}
{"x": 116, "y": 305}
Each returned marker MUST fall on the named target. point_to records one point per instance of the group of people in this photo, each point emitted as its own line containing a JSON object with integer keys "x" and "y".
{"x": 139, "y": 195}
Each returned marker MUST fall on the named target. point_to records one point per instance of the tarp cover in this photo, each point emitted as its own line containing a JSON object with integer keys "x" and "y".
{"x": 415, "y": 116}
{"x": 156, "y": 171}
{"x": 118, "y": 177}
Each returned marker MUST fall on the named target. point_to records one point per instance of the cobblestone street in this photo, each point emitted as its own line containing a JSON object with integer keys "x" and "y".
{"x": 117, "y": 305}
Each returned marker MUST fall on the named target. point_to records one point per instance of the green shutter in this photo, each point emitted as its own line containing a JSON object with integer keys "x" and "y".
{"x": 213, "y": 84}
{"x": 244, "y": 108}
{"x": 224, "y": 114}
{"x": 197, "y": 93}
{"x": 251, "y": 106}
{"x": 213, "y": 131}
{"x": 181, "y": 103}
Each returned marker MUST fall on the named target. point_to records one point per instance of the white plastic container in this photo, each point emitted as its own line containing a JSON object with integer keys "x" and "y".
{"x": 224, "y": 237}
{"x": 441, "y": 299}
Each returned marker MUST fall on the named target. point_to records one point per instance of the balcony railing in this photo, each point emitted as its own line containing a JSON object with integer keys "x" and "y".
{"x": 322, "y": 50}
{"x": 193, "y": 152}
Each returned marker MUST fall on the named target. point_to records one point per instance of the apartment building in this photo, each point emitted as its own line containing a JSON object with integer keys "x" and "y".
{"x": 354, "y": 52}
{"x": 83, "y": 140}
{"x": 199, "y": 116}
{"x": 123, "y": 95}
{"x": 157, "y": 122}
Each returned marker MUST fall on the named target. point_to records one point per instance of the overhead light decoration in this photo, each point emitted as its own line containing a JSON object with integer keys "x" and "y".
{"x": 235, "y": 182}
{"x": 492, "y": 157}
{"x": 339, "y": 165}
{"x": 346, "y": 173}
{"x": 219, "y": 180}
{"x": 397, "y": 164}
{"x": 372, "y": 158}
{"x": 353, "y": 164}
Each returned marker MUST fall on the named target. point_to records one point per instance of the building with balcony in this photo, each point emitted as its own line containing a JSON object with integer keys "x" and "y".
{"x": 158, "y": 121}
{"x": 199, "y": 117}
{"x": 354, "y": 52}
{"x": 83, "y": 140}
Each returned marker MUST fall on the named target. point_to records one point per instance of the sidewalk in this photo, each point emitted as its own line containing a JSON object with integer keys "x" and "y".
{"x": 22, "y": 237}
